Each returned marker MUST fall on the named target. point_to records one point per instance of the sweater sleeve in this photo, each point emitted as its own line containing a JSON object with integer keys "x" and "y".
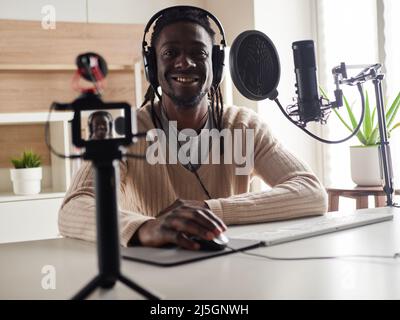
{"x": 76, "y": 218}
{"x": 295, "y": 190}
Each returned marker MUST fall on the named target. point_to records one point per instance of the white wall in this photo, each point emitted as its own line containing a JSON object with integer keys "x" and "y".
{"x": 106, "y": 11}
{"x": 131, "y": 11}
{"x": 284, "y": 22}
{"x": 236, "y": 16}
{"x": 71, "y": 10}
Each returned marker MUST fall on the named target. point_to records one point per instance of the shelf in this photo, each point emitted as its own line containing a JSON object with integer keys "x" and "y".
{"x": 57, "y": 67}
{"x": 27, "y": 127}
{"x": 34, "y": 117}
{"x": 46, "y": 194}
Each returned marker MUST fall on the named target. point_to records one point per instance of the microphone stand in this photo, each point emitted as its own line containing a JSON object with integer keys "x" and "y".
{"x": 384, "y": 148}
{"x": 373, "y": 73}
{"x": 104, "y": 156}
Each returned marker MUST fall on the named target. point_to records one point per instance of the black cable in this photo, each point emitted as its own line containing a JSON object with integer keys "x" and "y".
{"x": 134, "y": 156}
{"x": 394, "y": 256}
{"x": 359, "y": 86}
{"x": 192, "y": 169}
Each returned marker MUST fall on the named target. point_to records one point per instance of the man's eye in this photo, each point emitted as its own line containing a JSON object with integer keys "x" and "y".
{"x": 168, "y": 53}
{"x": 201, "y": 53}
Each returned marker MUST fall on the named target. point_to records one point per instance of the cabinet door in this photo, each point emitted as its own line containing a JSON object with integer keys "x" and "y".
{"x": 29, "y": 220}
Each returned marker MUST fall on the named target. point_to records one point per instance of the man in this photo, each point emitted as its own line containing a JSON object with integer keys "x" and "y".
{"x": 173, "y": 202}
{"x": 100, "y": 125}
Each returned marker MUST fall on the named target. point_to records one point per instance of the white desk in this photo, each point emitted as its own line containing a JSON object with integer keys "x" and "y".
{"x": 234, "y": 276}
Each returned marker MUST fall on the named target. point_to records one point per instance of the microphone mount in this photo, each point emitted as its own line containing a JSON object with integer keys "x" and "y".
{"x": 373, "y": 72}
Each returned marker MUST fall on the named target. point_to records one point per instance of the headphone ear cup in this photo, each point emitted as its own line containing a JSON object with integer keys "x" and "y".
{"x": 150, "y": 66}
{"x": 90, "y": 126}
{"x": 218, "y": 60}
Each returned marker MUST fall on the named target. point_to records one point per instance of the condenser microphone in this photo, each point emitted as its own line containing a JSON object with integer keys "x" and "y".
{"x": 308, "y": 102}
{"x": 255, "y": 70}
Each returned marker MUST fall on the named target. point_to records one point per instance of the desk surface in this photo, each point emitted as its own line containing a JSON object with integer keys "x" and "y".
{"x": 235, "y": 276}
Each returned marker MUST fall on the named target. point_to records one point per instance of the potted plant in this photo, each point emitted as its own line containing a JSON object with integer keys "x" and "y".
{"x": 27, "y": 173}
{"x": 364, "y": 158}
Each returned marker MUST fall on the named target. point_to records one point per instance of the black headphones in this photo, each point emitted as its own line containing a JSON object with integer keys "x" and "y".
{"x": 101, "y": 114}
{"x": 149, "y": 55}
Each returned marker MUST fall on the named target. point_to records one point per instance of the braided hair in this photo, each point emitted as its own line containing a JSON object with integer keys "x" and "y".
{"x": 200, "y": 18}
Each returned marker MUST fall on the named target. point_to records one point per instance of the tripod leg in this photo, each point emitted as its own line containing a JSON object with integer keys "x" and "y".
{"x": 88, "y": 289}
{"x": 129, "y": 283}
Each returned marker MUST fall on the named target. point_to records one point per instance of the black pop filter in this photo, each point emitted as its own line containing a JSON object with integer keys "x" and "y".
{"x": 254, "y": 65}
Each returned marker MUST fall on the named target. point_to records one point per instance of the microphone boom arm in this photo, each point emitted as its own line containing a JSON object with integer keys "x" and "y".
{"x": 373, "y": 72}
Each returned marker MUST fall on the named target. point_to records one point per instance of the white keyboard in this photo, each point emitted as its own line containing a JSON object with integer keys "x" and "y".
{"x": 309, "y": 227}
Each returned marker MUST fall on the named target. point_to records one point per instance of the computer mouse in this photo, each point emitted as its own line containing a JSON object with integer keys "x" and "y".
{"x": 218, "y": 243}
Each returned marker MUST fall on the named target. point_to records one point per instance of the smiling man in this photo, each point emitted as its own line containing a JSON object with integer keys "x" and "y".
{"x": 180, "y": 203}
{"x": 100, "y": 125}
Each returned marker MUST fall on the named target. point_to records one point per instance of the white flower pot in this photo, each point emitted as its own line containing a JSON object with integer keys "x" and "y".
{"x": 26, "y": 181}
{"x": 365, "y": 166}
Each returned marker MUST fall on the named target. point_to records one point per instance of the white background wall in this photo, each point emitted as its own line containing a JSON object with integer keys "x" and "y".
{"x": 284, "y": 22}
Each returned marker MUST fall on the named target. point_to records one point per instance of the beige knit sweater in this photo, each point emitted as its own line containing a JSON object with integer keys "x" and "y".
{"x": 146, "y": 189}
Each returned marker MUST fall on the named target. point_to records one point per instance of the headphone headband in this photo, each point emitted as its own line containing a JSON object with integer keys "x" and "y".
{"x": 149, "y": 55}
{"x": 161, "y": 12}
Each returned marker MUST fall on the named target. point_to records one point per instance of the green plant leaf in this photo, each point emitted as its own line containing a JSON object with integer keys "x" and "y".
{"x": 323, "y": 93}
{"x": 367, "y": 121}
{"x": 397, "y": 125}
{"x": 337, "y": 112}
{"x": 343, "y": 121}
{"x": 373, "y": 116}
{"x": 374, "y": 137}
{"x": 17, "y": 163}
{"x": 354, "y": 122}
{"x": 28, "y": 160}
{"x": 370, "y": 133}
{"x": 391, "y": 113}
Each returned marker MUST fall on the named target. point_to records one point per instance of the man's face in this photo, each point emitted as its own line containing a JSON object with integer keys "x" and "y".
{"x": 100, "y": 127}
{"x": 184, "y": 63}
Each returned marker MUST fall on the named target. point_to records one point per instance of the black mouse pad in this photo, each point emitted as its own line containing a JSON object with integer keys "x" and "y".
{"x": 172, "y": 256}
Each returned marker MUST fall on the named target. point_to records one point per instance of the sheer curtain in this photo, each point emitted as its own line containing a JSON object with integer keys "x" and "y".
{"x": 391, "y": 11}
{"x": 391, "y": 27}
{"x": 347, "y": 32}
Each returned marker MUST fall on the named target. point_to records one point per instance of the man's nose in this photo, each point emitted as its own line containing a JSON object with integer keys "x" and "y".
{"x": 184, "y": 61}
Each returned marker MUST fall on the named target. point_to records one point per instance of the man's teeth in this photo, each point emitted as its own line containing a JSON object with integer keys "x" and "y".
{"x": 185, "y": 79}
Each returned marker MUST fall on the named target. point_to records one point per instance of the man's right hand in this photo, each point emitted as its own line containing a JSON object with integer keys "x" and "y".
{"x": 177, "y": 223}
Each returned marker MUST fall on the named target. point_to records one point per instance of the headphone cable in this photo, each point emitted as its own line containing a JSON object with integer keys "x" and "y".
{"x": 191, "y": 169}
